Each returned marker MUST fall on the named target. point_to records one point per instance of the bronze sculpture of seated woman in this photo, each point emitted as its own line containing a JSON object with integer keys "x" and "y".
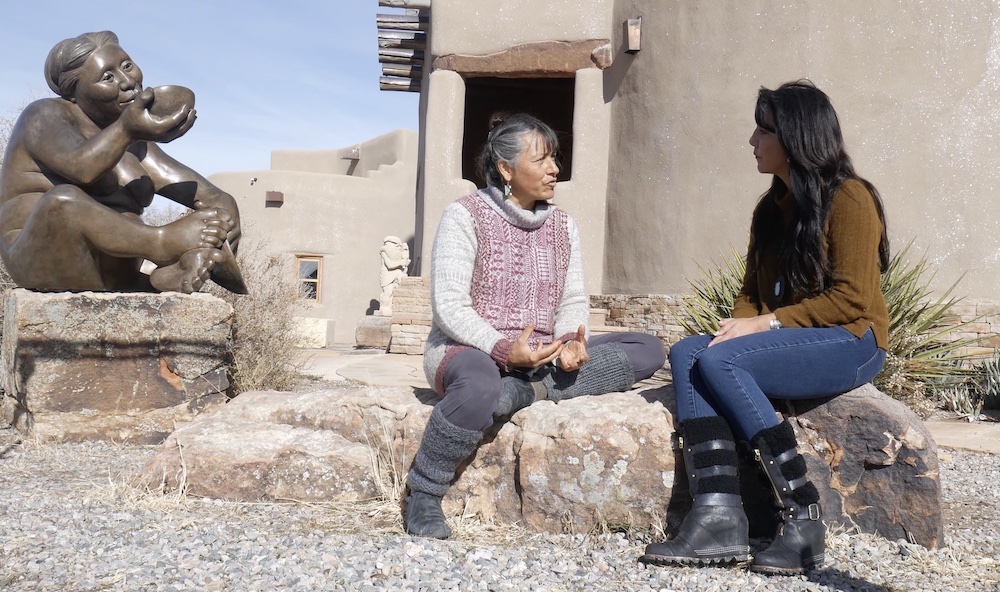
{"x": 79, "y": 169}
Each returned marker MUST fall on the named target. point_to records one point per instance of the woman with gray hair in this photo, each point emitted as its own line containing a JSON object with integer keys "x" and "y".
{"x": 80, "y": 168}
{"x": 509, "y": 314}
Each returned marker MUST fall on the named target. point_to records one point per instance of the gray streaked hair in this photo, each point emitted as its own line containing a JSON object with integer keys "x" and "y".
{"x": 505, "y": 143}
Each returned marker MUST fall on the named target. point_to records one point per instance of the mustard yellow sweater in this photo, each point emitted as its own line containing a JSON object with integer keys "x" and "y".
{"x": 854, "y": 299}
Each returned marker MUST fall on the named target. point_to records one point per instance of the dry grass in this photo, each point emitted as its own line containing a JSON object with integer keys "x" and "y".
{"x": 264, "y": 344}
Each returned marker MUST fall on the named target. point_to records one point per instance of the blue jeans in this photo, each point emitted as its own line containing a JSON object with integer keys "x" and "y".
{"x": 736, "y": 378}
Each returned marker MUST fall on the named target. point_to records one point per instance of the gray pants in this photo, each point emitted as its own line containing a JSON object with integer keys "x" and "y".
{"x": 472, "y": 381}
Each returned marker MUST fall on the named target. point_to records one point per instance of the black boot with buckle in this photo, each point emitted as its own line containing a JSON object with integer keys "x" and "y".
{"x": 716, "y": 528}
{"x": 800, "y": 541}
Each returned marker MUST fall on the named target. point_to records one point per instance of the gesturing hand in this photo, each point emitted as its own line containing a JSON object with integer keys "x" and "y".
{"x": 521, "y": 355}
{"x": 574, "y": 353}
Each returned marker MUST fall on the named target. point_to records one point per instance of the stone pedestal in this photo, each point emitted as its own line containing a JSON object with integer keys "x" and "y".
{"x": 111, "y": 366}
{"x": 374, "y": 331}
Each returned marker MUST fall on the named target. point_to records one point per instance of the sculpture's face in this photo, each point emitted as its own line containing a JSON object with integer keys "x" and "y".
{"x": 108, "y": 82}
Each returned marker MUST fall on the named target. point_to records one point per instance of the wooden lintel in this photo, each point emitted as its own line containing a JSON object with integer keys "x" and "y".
{"x": 405, "y": 3}
{"x": 402, "y": 22}
{"x": 403, "y": 71}
{"x": 401, "y": 84}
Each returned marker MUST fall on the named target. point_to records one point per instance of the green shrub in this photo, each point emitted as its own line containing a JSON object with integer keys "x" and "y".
{"x": 923, "y": 358}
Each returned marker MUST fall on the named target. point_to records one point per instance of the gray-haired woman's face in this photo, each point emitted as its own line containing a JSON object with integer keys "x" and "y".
{"x": 109, "y": 81}
{"x": 535, "y": 174}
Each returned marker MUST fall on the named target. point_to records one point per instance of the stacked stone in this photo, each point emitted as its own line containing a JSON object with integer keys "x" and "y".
{"x": 411, "y": 316}
{"x": 983, "y": 318}
{"x": 648, "y": 313}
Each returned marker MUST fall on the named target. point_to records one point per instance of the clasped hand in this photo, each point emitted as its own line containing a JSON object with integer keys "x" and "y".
{"x": 731, "y": 328}
{"x": 143, "y": 125}
{"x": 572, "y": 354}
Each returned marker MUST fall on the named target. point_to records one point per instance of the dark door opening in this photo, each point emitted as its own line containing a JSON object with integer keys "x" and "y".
{"x": 549, "y": 99}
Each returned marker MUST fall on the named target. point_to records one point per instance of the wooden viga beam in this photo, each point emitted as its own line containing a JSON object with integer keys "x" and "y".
{"x": 425, "y": 4}
{"x": 400, "y": 84}
{"x": 402, "y": 70}
{"x": 388, "y": 55}
{"x": 402, "y": 39}
{"x": 402, "y": 22}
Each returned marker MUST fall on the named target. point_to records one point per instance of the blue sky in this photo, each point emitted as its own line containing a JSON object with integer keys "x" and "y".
{"x": 299, "y": 74}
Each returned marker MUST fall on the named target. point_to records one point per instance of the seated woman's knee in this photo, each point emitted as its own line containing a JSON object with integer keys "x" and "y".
{"x": 684, "y": 350}
{"x": 61, "y": 196}
{"x": 652, "y": 356}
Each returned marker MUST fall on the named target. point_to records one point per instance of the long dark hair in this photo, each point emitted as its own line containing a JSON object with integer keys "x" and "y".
{"x": 808, "y": 129}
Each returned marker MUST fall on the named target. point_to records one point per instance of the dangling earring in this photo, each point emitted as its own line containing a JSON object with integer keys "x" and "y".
{"x": 506, "y": 189}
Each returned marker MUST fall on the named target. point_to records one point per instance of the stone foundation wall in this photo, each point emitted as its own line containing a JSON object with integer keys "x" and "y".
{"x": 411, "y": 316}
{"x": 649, "y": 313}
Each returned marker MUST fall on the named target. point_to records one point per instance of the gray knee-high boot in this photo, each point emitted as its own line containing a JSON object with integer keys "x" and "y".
{"x": 800, "y": 541}
{"x": 716, "y": 529}
{"x": 607, "y": 371}
{"x": 443, "y": 447}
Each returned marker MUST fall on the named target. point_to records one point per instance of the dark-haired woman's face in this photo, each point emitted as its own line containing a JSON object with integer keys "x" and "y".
{"x": 108, "y": 82}
{"x": 771, "y": 157}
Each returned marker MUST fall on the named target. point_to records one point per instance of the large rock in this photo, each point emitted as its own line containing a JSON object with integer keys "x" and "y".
{"x": 562, "y": 467}
{"x": 111, "y": 366}
{"x": 876, "y": 461}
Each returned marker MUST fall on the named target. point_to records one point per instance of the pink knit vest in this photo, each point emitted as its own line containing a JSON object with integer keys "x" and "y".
{"x": 519, "y": 274}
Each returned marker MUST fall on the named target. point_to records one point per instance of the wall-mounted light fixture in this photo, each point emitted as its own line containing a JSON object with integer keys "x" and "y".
{"x": 633, "y": 34}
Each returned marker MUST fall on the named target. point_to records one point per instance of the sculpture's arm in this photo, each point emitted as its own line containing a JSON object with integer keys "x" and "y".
{"x": 59, "y": 136}
{"x": 53, "y": 137}
{"x": 180, "y": 183}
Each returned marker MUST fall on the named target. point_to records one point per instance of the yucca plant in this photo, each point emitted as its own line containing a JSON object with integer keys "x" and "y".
{"x": 922, "y": 357}
{"x": 712, "y": 296}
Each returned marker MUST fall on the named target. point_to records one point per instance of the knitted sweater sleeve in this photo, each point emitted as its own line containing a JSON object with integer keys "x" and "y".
{"x": 452, "y": 260}
{"x": 574, "y": 307}
{"x": 853, "y": 235}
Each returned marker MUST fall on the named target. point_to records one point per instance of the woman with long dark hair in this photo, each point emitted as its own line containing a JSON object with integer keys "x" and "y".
{"x": 810, "y": 321}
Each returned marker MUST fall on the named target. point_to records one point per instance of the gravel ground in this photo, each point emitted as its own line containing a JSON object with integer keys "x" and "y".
{"x": 69, "y": 521}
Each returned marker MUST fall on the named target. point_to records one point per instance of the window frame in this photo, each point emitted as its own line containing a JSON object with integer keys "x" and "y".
{"x": 318, "y": 282}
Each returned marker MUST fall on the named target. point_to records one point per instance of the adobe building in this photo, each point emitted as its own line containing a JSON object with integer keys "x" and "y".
{"x": 662, "y": 179}
{"x": 653, "y": 100}
{"x": 327, "y": 211}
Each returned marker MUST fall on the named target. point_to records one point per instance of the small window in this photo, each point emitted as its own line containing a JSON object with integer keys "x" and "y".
{"x": 310, "y": 272}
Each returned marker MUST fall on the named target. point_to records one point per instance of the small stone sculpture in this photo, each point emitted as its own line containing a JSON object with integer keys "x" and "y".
{"x": 80, "y": 168}
{"x": 395, "y": 262}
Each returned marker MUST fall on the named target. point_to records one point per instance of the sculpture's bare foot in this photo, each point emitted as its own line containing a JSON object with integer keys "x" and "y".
{"x": 189, "y": 274}
{"x": 197, "y": 230}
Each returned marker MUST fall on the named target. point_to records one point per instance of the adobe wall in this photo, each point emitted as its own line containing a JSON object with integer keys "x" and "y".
{"x": 917, "y": 88}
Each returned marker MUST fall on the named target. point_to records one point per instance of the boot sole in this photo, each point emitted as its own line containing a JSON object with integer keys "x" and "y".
{"x": 716, "y": 559}
{"x": 771, "y": 570}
